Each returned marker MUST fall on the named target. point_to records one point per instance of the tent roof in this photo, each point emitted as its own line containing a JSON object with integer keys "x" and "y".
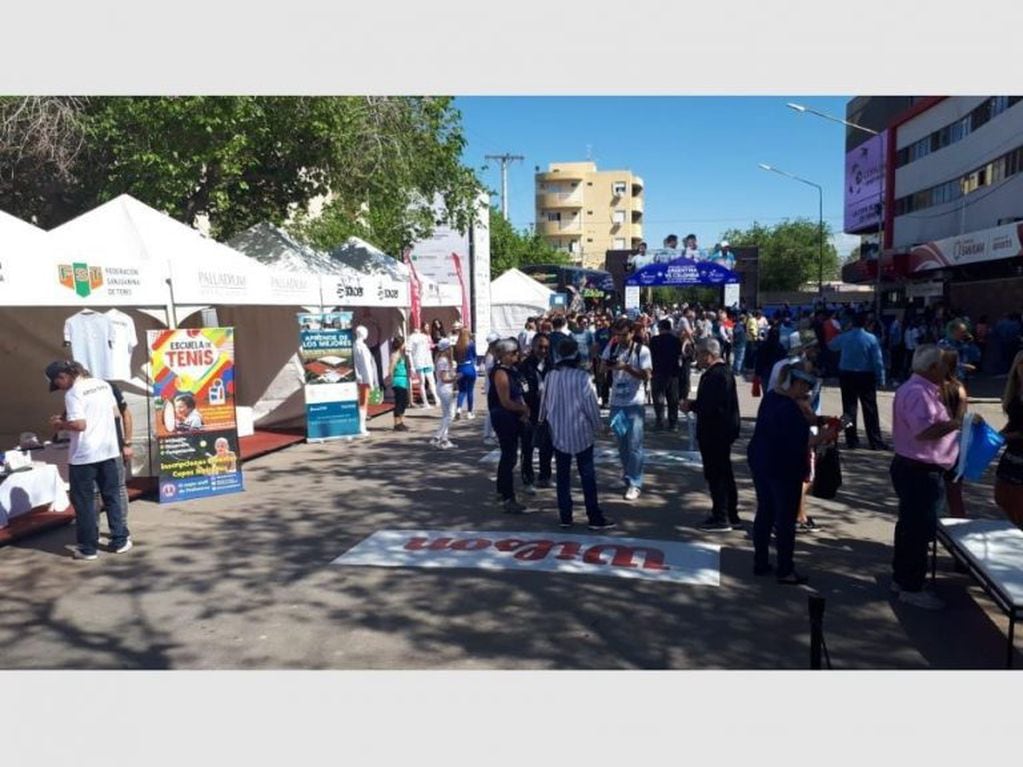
{"x": 515, "y": 287}
{"x": 272, "y": 246}
{"x": 203, "y": 270}
{"x": 369, "y": 259}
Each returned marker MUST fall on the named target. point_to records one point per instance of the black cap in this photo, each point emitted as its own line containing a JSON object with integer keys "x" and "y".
{"x": 54, "y": 369}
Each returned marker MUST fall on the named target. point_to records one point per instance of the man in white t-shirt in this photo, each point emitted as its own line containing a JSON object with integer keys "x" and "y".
{"x": 89, "y": 415}
{"x": 631, "y": 366}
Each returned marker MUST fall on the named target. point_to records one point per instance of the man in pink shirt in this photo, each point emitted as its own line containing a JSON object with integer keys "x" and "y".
{"x": 925, "y": 441}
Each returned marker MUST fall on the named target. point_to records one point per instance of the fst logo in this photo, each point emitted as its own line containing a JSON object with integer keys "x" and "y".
{"x": 81, "y": 278}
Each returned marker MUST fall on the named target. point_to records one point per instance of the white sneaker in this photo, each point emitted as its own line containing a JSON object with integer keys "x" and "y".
{"x": 632, "y": 493}
{"x": 125, "y": 547}
{"x": 470, "y": 415}
{"x": 922, "y": 599}
{"x": 77, "y": 553}
{"x": 447, "y": 444}
{"x": 530, "y": 489}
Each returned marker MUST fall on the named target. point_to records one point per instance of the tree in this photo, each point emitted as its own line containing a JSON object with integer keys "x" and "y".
{"x": 789, "y": 252}
{"x": 512, "y": 249}
{"x": 241, "y": 160}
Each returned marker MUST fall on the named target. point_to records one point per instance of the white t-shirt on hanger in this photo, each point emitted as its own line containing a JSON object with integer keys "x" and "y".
{"x": 122, "y": 345}
{"x": 91, "y": 336}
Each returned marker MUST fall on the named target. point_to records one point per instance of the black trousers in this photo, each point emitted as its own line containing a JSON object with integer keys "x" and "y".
{"x": 508, "y": 438}
{"x": 665, "y": 387}
{"x": 684, "y": 382}
{"x": 717, "y": 470}
{"x": 920, "y": 491}
{"x": 861, "y": 388}
{"x": 546, "y": 456}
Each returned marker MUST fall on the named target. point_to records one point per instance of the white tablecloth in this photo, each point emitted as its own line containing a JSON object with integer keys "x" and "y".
{"x": 26, "y": 490}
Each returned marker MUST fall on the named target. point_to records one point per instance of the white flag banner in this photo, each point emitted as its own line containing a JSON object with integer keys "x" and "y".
{"x": 669, "y": 561}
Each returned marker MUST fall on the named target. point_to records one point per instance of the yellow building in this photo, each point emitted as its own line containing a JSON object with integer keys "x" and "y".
{"x": 587, "y": 212}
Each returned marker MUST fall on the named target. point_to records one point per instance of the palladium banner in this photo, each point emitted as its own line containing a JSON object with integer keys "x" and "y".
{"x": 331, "y": 395}
{"x": 193, "y": 407}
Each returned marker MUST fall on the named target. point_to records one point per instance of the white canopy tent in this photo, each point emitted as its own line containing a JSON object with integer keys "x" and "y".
{"x": 514, "y": 298}
{"x": 159, "y": 272}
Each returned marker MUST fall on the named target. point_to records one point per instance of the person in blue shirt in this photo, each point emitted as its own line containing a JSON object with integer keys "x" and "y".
{"x": 860, "y": 372}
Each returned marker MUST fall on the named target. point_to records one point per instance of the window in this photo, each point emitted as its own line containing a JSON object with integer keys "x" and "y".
{"x": 618, "y": 188}
{"x": 589, "y": 239}
{"x": 554, "y": 216}
{"x": 573, "y": 246}
{"x": 618, "y": 217}
{"x": 619, "y": 243}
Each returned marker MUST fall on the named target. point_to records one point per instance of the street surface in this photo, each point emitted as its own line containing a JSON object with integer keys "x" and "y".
{"x": 245, "y": 582}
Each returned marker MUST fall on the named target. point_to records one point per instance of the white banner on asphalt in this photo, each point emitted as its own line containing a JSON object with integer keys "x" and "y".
{"x": 669, "y": 561}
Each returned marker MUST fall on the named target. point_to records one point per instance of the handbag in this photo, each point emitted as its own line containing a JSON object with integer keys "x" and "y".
{"x": 756, "y": 386}
{"x": 827, "y": 474}
{"x": 376, "y": 396}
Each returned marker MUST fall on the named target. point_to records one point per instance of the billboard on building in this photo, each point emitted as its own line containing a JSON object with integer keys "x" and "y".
{"x": 864, "y": 183}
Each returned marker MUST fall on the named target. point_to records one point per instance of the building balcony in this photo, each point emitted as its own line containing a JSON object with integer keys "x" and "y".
{"x": 567, "y": 174}
{"x": 637, "y": 186}
{"x": 636, "y": 231}
{"x": 561, "y": 228}
{"x": 559, "y": 200}
{"x": 636, "y": 204}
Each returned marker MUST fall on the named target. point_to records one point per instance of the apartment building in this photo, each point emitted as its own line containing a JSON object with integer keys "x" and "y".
{"x": 951, "y": 174}
{"x": 587, "y": 212}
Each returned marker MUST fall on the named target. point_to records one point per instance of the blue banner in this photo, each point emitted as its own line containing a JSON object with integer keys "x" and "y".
{"x": 683, "y": 273}
{"x": 331, "y": 394}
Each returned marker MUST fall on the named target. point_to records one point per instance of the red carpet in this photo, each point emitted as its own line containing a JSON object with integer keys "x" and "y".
{"x": 34, "y": 522}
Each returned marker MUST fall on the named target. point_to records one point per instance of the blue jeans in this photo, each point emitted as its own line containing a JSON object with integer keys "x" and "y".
{"x": 588, "y": 480}
{"x": 82, "y": 480}
{"x": 466, "y": 389}
{"x": 738, "y": 358}
{"x": 630, "y": 447}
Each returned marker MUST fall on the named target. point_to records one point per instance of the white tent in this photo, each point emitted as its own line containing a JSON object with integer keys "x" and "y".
{"x": 344, "y": 287}
{"x": 514, "y": 298}
{"x": 124, "y": 254}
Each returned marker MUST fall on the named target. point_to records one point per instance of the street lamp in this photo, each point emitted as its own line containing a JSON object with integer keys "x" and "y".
{"x": 880, "y": 207}
{"x": 820, "y": 221}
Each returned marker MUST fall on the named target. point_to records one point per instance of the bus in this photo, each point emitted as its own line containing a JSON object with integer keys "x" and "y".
{"x": 595, "y": 287}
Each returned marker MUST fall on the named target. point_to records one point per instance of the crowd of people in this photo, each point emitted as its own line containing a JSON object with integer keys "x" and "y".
{"x": 569, "y": 376}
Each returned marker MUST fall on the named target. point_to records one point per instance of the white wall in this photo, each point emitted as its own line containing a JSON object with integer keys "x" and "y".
{"x": 982, "y": 208}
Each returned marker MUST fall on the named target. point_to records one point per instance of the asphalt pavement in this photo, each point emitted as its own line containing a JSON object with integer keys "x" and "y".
{"x": 245, "y": 581}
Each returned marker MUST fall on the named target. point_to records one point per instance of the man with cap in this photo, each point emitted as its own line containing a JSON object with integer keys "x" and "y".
{"x": 90, "y": 413}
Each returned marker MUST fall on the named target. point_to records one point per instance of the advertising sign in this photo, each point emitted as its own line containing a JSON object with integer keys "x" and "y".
{"x": 665, "y": 561}
{"x": 194, "y": 412}
{"x": 864, "y": 182}
{"x": 632, "y": 296}
{"x": 986, "y": 245}
{"x": 331, "y": 394}
{"x": 683, "y": 272}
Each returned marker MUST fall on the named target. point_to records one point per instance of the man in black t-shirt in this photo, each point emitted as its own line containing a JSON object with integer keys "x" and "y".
{"x": 666, "y": 354}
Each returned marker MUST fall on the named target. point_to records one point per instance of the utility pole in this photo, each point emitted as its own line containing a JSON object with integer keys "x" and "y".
{"x": 504, "y": 159}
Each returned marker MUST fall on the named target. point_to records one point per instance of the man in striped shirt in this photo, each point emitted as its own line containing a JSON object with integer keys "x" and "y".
{"x": 569, "y": 406}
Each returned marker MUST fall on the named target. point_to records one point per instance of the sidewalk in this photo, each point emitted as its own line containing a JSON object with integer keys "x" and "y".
{"x": 244, "y": 581}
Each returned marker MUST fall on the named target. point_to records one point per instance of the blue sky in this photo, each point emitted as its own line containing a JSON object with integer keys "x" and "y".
{"x": 698, "y": 155}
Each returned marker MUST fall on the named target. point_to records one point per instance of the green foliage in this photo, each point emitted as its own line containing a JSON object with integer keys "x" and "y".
{"x": 242, "y": 160}
{"x": 789, "y": 252}
{"x": 512, "y": 249}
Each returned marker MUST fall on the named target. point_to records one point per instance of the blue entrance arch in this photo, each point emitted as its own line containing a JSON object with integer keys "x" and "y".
{"x": 683, "y": 273}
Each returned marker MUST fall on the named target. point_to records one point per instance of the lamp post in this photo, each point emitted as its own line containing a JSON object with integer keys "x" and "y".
{"x": 820, "y": 222}
{"x": 880, "y": 206}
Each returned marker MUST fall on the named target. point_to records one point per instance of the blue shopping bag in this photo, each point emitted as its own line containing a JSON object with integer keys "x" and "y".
{"x": 979, "y": 447}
